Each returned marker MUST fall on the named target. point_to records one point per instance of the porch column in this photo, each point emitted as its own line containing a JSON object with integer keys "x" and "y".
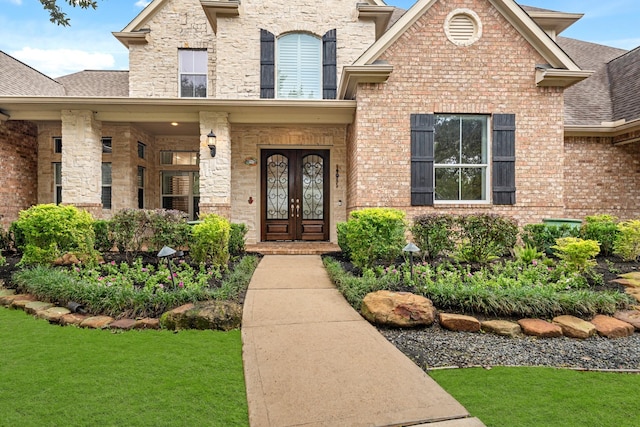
{"x": 215, "y": 172}
{"x": 82, "y": 161}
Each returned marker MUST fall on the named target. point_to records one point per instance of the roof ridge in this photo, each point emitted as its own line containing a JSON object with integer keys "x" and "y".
{"x": 30, "y": 67}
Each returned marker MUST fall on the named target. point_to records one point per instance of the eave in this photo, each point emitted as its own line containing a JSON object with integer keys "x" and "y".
{"x": 352, "y": 75}
{"x": 215, "y": 8}
{"x": 560, "y": 78}
{"x": 379, "y": 14}
{"x": 553, "y": 22}
{"x": 135, "y": 37}
{"x": 615, "y": 130}
{"x": 150, "y": 110}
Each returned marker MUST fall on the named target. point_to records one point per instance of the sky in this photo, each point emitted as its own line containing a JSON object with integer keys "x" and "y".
{"x": 27, "y": 34}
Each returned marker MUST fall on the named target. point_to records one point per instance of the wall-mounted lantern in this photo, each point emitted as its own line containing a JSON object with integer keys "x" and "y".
{"x": 211, "y": 143}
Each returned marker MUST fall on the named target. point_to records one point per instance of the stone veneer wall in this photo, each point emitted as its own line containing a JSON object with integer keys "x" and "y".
{"x": 153, "y": 67}
{"x": 18, "y": 168}
{"x": 601, "y": 178}
{"x": 247, "y": 141}
{"x": 432, "y": 75}
{"x": 238, "y": 38}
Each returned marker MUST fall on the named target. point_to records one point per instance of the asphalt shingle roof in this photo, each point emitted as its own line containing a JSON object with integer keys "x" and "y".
{"x": 589, "y": 102}
{"x": 96, "y": 83}
{"x": 17, "y": 78}
{"x": 624, "y": 75}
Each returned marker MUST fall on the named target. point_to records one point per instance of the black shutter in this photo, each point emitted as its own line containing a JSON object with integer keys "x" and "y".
{"x": 267, "y": 64}
{"x": 422, "y": 126}
{"x": 504, "y": 159}
{"x": 329, "y": 63}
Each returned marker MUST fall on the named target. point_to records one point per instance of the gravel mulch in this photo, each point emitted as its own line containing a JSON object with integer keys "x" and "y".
{"x": 435, "y": 347}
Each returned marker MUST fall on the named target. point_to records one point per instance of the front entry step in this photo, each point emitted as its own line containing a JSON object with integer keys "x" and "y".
{"x": 293, "y": 248}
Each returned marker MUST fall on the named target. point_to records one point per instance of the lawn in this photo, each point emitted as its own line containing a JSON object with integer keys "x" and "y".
{"x": 523, "y": 397}
{"x": 52, "y": 375}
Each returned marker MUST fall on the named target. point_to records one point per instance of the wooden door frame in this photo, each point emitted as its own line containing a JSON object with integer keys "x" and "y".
{"x": 295, "y": 155}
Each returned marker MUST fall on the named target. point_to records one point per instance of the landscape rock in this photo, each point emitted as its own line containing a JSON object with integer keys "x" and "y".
{"x": 96, "y": 322}
{"x": 611, "y": 327}
{"x": 574, "y": 327}
{"x": 6, "y": 292}
{"x": 634, "y": 292}
{"x": 398, "y": 309}
{"x": 540, "y": 328}
{"x": 33, "y": 307}
{"x": 67, "y": 259}
{"x": 7, "y": 300}
{"x": 147, "y": 323}
{"x": 632, "y": 317}
{"x": 53, "y": 314}
{"x": 22, "y": 301}
{"x": 73, "y": 319}
{"x": 123, "y": 324}
{"x": 501, "y": 327}
{"x": 217, "y": 315}
{"x": 459, "y": 322}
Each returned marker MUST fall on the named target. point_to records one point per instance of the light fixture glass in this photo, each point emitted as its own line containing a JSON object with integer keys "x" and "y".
{"x": 174, "y": 123}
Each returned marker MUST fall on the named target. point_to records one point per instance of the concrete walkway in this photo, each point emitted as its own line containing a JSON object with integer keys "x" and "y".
{"x": 311, "y": 360}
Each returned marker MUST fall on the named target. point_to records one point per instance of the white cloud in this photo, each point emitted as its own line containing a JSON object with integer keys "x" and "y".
{"x": 58, "y": 62}
{"x": 140, "y": 3}
{"x": 18, "y": 2}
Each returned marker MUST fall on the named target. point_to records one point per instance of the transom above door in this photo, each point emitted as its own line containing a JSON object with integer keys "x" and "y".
{"x": 295, "y": 194}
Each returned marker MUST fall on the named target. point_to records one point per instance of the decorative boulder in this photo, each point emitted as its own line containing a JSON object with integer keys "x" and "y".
{"x": 501, "y": 327}
{"x": 540, "y": 328}
{"x": 630, "y": 316}
{"x": 398, "y": 309}
{"x": 575, "y": 328}
{"x": 217, "y": 315}
{"x": 459, "y": 322}
{"x": 612, "y": 328}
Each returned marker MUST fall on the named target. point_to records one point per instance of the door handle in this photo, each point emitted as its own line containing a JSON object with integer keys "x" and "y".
{"x": 297, "y": 208}
{"x": 291, "y": 208}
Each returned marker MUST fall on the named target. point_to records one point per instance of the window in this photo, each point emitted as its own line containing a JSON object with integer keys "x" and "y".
{"x": 460, "y": 158}
{"x": 181, "y": 191}
{"x": 299, "y": 67}
{"x": 140, "y": 187}
{"x": 141, "y": 150}
{"x": 179, "y": 158}
{"x": 57, "y": 183}
{"x": 106, "y": 185}
{"x": 106, "y": 145}
{"x": 57, "y": 144}
{"x": 193, "y": 73}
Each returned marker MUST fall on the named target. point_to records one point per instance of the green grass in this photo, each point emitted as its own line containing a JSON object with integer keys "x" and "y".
{"x": 519, "y": 397}
{"x": 53, "y": 376}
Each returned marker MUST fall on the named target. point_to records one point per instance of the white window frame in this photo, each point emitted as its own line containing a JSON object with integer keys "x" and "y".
{"x": 141, "y": 183}
{"x": 57, "y": 185}
{"x": 294, "y": 87}
{"x": 107, "y": 182}
{"x": 485, "y": 166}
{"x": 188, "y": 65}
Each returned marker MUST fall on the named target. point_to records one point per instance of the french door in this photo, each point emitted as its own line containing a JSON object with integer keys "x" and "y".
{"x": 295, "y": 194}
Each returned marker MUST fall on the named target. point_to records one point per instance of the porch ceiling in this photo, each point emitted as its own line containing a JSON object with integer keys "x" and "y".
{"x": 156, "y": 114}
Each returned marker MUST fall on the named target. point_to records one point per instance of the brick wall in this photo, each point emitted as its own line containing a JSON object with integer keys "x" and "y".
{"x": 601, "y": 178}
{"x": 432, "y": 75}
{"x": 18, "y": 168}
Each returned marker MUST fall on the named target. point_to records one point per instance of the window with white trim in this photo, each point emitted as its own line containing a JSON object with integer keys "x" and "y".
{"x": 141, "y": 173}
{"x": 299, "y": 66}
{"x": 57, "y": 144}
{"x": 461, "y": 158}
{"x": 106, "y": 185}
{"x": 193, "y": 73}
{"x": 57, "y": 183}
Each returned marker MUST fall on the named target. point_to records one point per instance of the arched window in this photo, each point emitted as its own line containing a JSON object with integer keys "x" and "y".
{"x": 299, "y": 66}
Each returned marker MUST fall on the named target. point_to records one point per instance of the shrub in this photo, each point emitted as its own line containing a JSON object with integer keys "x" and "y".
{"x": 236, "y": 239}
{"x": 16, "y": 236}
{"x": 51, "y": 230}
{"x": 601, "y": 228}
{"x": 104, "y": 242}
{"x": 432, "y": 233}
{"x": 527, "y": 254}
{"x": 577, "y": 254}
{"x": 374, "y": 235}
{"x": 167, "y": 228}
{"x": 128, "y": 227}
{"x": 485, "y": 237}
{"x": 627, "y": 244}
{"x": 210, "y": 241}
{"x": 543, "y": 236}
{"x": 341, "y": 228}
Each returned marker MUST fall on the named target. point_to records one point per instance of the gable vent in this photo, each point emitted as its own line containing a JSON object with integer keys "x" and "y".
{"x": 462, "y": 27}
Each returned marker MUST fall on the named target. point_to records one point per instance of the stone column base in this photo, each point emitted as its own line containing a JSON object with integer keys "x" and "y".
{"x": 222, "y": 209}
